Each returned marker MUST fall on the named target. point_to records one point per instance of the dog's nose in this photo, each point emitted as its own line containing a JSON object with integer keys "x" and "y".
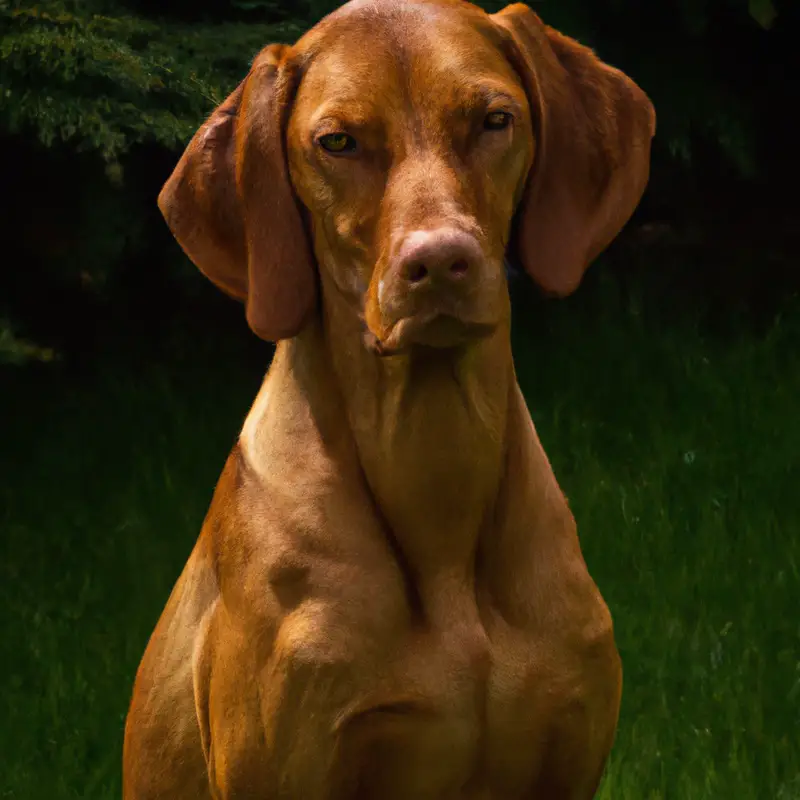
{"x": 438, "y": 258}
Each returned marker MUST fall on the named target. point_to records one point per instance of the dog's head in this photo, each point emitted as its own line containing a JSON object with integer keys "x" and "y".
{"x": 390, "y": 156}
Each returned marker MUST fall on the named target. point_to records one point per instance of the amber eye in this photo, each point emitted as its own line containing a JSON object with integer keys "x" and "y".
{"x": 337, "y": 143}
{"x": 497, "y": 120}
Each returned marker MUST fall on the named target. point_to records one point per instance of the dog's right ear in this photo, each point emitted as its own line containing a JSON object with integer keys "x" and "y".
{"x": 231, "y": 206}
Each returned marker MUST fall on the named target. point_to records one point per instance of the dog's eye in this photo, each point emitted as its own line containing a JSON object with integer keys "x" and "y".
{"x": 337, "y": 143}
{"x": 497, "y": 120}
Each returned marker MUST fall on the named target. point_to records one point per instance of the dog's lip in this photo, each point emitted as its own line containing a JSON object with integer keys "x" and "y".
{"x": 410, "y": 330}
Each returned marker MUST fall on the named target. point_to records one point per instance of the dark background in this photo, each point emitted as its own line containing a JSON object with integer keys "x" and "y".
{"x": 670, "y": 383}
{"x": 99, "y": 98}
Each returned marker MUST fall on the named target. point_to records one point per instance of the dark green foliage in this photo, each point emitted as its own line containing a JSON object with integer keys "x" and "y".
{"x": 14, "y": 350}
{"x": 104, "y": 80}
{"x": 82, "y": 86}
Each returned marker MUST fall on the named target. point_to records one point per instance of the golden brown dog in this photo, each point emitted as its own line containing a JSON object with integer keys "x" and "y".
{"x": 388, "y": 600}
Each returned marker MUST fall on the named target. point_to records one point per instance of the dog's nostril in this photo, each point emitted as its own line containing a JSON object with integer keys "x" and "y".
{"x": 417, "y": 273}
{"x": 459, "y": 267}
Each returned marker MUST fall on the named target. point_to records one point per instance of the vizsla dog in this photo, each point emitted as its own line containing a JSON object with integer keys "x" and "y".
{"x": 388, "y": 600}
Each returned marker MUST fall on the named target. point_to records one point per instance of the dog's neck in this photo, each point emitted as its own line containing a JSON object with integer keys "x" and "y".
{"x": 428, "y": 431}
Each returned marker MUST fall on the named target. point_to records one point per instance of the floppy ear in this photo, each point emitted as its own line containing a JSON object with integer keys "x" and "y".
{"x": 592, "y": 159}
{"x": 230, "y": 203}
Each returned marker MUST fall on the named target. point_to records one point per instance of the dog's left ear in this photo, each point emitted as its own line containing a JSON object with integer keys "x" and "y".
{"x": 593, "y": 128}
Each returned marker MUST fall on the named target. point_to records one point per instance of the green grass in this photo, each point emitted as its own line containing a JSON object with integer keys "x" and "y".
{"x": 679, "y": 450}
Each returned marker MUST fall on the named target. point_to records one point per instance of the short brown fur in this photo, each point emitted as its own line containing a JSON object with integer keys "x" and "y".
{"x": 388, "y": 599}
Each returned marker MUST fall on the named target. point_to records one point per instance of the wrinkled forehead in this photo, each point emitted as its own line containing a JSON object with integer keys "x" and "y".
{"x": 386, "y": 57}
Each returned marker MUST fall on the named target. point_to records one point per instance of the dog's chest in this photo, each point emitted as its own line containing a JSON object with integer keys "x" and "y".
{"x": 463, "y": 713}
{"x": 452, "y": 700}
{"x": 362, "y": 696}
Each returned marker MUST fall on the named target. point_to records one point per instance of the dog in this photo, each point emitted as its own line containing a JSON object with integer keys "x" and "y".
{"x": 388, "y": 597}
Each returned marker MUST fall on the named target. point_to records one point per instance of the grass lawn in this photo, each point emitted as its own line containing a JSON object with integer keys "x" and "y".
{"x": 679, "y": 450}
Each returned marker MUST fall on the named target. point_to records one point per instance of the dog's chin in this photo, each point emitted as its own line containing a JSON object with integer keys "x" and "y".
{"x": 432, "y": 331}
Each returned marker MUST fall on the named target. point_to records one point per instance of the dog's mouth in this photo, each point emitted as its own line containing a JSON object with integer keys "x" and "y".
{"x": 434, "y": 330}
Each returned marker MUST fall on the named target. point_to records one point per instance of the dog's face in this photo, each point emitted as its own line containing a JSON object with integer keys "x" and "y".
{"x": 390, "y": 155}
{"x": 410, "y": 152}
